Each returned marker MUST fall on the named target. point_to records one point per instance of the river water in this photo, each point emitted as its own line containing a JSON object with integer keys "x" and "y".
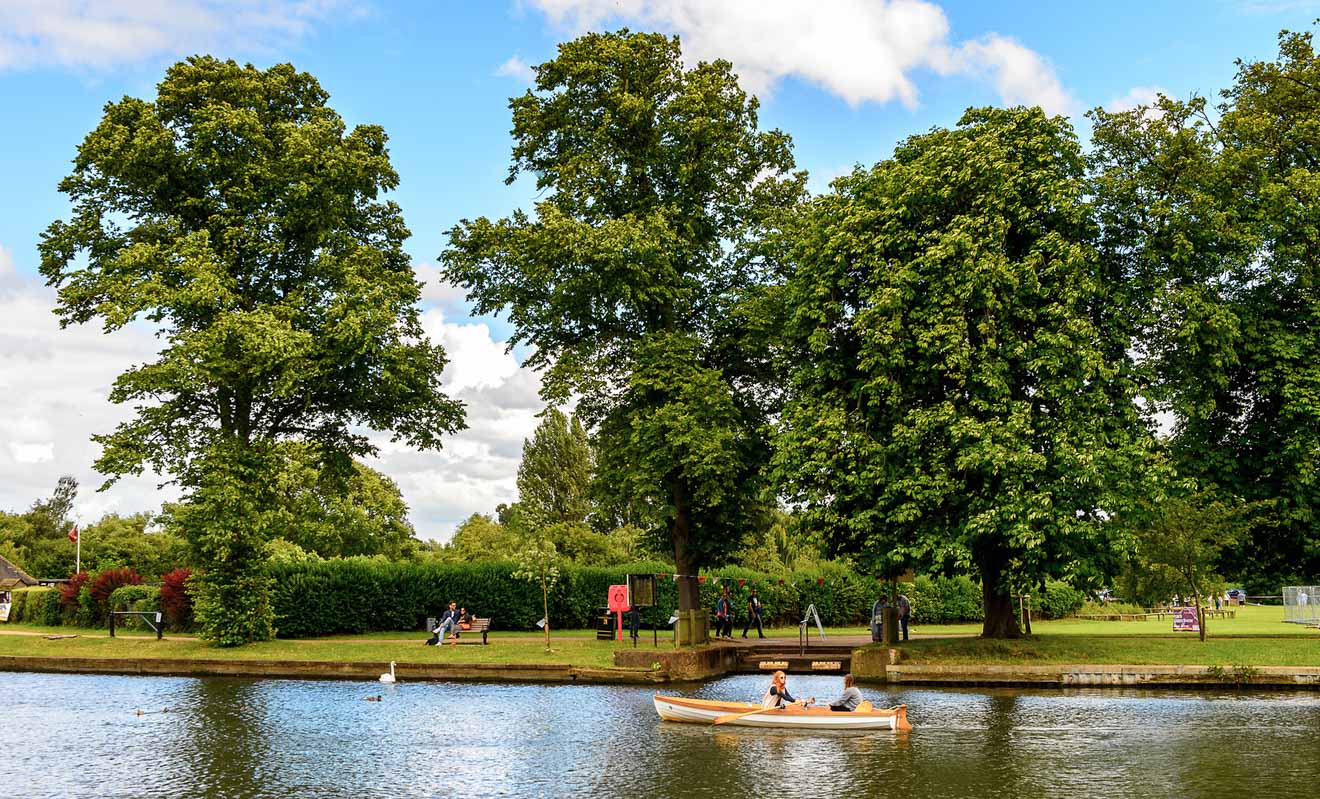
{"x": 80, "y": 736}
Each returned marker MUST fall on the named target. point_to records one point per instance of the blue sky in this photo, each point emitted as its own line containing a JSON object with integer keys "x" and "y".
{"x": 846, "y": 79}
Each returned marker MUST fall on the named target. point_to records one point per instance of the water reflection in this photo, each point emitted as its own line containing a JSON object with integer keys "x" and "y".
{"x": 80, "y": 736}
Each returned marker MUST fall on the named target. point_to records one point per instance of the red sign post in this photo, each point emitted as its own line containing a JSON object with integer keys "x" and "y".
{"x": 619, "y": 605}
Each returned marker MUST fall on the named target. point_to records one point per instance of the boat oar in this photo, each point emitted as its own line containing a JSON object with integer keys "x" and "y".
{"x": 728, "y": 717}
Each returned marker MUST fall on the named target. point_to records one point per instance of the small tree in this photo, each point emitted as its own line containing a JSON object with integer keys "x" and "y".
{"x": 1186, "y": 536}
{"x": 538, "y": 562}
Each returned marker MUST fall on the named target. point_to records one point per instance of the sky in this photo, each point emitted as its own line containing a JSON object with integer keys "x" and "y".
{"x": 847, "y": 79}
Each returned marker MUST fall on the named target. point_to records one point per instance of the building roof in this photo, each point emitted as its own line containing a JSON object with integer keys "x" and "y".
{"x": 13, "y": 577}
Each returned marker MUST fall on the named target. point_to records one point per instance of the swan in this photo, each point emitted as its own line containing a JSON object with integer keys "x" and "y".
{"x": 388, "y": 677}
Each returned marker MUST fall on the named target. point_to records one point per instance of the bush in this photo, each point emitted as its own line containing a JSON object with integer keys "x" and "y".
{"x": 141, "y": 598}
{"x": 51, "y": 610}
{"x": 107, "y": 581}
{"x": 17, "y": 601}
{"x": 175, "y": 600}
{"x": 70, "y": 589}
{"x": 356, "y": 595}
{"x": 1058, "y": 600}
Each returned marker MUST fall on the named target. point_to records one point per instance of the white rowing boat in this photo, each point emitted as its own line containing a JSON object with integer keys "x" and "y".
{"x": 705, "y": 711}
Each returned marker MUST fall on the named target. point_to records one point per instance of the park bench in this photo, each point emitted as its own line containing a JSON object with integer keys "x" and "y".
{"x": 478, "y": 626}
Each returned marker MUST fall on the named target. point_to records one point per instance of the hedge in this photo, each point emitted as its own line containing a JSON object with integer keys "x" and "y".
{"x": 142, "y": 598}
{"x": 357, "y": 595}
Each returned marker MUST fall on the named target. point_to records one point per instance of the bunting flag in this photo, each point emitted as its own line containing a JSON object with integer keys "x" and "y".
{"x": 820, "y": 581}
{"x": 741, "y": 582}
{"x": 701, "y": 579}
{"x": 73, "y": 534}
{"x": 781, "y": 582}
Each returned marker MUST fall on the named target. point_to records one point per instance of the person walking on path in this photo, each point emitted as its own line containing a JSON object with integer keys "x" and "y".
{"x": 878, "y": 618}
{"x": 724, "y": 616}
{"x": 753, "y": 615}
{"x": 904, "y": 614}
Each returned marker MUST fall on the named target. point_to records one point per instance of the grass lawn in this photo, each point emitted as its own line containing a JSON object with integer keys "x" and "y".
{"x": 502, "y": 649}
{"x": 1134, "y": 650}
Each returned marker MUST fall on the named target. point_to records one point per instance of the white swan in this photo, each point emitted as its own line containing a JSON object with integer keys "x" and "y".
{"x": 388, "y": 677}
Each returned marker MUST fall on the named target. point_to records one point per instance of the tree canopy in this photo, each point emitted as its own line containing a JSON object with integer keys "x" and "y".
{"x": 237, "y": 214}
{"x": 956, "y": 401}
{"x": 632, "y": 281}
{"x": 1210, "y": 218}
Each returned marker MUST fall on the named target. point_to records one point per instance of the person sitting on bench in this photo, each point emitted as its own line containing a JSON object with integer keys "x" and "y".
{"x": 851, "y": 697}
{"x": 464, "y": 622}
{"x": 448, "y": 623}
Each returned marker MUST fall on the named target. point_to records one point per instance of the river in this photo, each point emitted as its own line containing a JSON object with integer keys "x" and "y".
{"x": 80, "y": 736}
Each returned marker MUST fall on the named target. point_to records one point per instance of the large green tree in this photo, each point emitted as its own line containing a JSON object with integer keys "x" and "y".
{"x": 958, "y": 401}
{"x": 1211, "y": 219}
{"x": 632, "y": 281}
{"x": 554, "y": 478}
{"x": 237, "y": 214}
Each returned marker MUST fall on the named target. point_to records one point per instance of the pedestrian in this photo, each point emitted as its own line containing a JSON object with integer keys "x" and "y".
{"x": 878, "y": 618}
{"x": 753, "y": 615}
{"x": 724, "y": 615}
{"x": 904, "y": 614}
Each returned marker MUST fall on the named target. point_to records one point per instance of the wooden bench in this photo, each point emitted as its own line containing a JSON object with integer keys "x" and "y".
{"x": 478, "y": 626}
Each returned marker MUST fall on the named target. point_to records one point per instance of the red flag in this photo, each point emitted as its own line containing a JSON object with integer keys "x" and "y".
{"x": 701, "y": 579}
{"x": 781, "y": 582}
{"x": 741, "y": 582}
{"x": 73, "y": 534}
{"x": 664, "y": 575}
{"x": 820, "y": 581}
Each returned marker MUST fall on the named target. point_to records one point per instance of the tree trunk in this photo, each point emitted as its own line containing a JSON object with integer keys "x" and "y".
{"x": 1001, "y": 618}
{"x": 685, "y": 562}
{"x": 545, "y": 608}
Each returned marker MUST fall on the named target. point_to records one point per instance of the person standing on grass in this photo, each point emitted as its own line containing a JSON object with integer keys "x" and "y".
{"x": 753, "y": 615}
{"x": 904, "y": 614}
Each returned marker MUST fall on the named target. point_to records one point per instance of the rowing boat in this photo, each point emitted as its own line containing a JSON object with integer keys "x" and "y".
{"x": 705, "y": 711}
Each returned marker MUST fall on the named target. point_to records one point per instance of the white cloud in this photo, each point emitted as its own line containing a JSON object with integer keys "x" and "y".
{"x": 517, "y": 68}
{"x": 29, "y": 453}
{"x": 1136, "y": 97}
{"x": 104, "y": 33}
{"x": 861, "y": 50}
{"x": 437, "y": 292}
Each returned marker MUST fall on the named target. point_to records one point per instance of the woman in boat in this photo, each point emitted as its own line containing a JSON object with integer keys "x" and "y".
{"x": 777, "y": 695}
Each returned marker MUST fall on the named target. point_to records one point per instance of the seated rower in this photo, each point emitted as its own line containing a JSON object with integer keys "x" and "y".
{"x": 850, "y": 699}
{"x": 777, "y": 695}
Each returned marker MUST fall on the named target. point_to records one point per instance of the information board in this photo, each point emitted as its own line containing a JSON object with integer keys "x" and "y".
{"x": 641, "y": 590}
{"x": 1185, "y": 621}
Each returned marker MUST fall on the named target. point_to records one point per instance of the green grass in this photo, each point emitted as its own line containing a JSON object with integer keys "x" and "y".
{"x": 1136, "y": 650}
{"x": 97, "y": 644}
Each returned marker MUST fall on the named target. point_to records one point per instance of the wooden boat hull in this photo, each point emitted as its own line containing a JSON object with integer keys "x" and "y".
{"x": 705, "y": 711}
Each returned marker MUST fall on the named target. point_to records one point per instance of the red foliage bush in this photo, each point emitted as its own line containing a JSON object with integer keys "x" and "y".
{"x": 110, "y": 579}
{"x": 175, "y": 600}
{"x": 69, "y": 591}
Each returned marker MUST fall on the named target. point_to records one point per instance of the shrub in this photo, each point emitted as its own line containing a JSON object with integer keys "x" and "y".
{"x": 17, "y": 601}
{"x": 70, "y": 589}
{"x": 51, "y": 609}
{"x": 1058, "y": 599}
{"x": 89, "y": 612}
{"x": 175, "y": 601}
{"x": 142, "y": 598}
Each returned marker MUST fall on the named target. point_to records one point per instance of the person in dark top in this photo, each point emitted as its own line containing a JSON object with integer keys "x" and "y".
{"x": 724, "y": 616}
{"x": 850, "y": 699}
{"x": 448, "y": 623}
{"x": 464, "y": 622}
{"x": 777, "y": 695}
{"x": 753, "y": 615}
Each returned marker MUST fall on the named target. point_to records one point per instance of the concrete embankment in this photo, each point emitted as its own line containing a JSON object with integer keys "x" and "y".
{"x": 332, "y": 670}
{"x": 885, "y": 665}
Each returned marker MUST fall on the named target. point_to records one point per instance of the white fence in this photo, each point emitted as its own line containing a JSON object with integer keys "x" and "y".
{"x": 1301, "y": 604}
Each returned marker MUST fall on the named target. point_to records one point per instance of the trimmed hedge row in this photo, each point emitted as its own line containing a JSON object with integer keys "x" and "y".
{"x": 357, "y": 595}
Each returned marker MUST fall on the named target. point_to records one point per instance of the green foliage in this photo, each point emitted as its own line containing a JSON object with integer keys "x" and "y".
{"x": 635, "y": 283}
{"x": 357, "y": 595}
{"x": 336, "y": 513}
{"x": 237, "y": 214}
{"x": 538, "y": 563}
{"x": 1179, "y": 544}
{"x": 1058, "y": 600}
{"x": 1209, "y": 220}
{"x": 50, "y": 610}
{"x": 959, "y": 397}
{"x": 554, "y": 478}
{"x": 142, "y": 598}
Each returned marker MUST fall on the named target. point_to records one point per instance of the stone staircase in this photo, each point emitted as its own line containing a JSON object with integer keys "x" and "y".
{"x": 821, "y": 658}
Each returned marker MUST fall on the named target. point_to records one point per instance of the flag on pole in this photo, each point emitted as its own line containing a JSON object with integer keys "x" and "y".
{"x": 73, "y": 534}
